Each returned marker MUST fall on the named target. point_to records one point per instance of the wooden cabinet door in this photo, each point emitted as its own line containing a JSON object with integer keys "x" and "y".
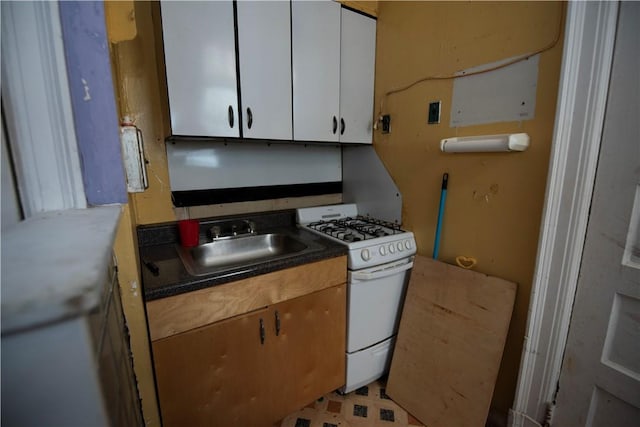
{"x": 309, "y": 357}
{"x": 357, "y": 69}
{"x": 316, "y": 70}
{"x": 215, "y": 375}
{"x": 222, "y": 375}
{"x": 264, "y": 49}
{"x": 200, "y": 59}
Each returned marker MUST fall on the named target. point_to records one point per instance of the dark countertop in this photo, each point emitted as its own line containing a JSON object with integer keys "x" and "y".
{"x": 158, "y": 246}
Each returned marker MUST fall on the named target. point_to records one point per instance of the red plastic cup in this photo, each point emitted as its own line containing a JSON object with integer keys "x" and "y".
{"x": 189, "y": 232}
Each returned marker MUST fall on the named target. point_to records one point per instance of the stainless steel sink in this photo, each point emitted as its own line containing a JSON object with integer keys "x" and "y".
{"x": 222, "y": 254}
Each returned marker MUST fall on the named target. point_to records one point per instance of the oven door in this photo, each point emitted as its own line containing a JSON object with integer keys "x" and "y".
{"x": 375, "y": 297}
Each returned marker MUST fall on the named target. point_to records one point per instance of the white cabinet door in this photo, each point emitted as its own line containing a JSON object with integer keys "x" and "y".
{"x": 316, "y": 70}
{"x": 200, "y": 57}
{"x": 264, "y": 45}
{"x": 357, "y": 70}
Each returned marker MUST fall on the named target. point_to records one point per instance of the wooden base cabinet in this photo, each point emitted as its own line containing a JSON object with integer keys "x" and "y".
{"x": 310, "y": 349}
{"x": 256, "y": 368}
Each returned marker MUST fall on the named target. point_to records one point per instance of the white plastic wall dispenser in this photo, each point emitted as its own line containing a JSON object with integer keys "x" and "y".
{"x": 487, "y": 143}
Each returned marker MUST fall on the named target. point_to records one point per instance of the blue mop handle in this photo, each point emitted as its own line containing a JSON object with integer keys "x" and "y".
{"x": 443, "y": 197}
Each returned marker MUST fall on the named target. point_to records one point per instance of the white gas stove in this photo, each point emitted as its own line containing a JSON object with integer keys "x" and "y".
{"x": 371, "y": 241}
{"x": 379, "y": 259}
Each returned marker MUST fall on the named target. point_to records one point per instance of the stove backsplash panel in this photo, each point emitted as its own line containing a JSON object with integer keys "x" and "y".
{"x": 367, "y": 183}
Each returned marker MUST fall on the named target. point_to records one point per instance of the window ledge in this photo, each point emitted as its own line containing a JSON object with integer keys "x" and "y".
{"x": 54, "y": 265}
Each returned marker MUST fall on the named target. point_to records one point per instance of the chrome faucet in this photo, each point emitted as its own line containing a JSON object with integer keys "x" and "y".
{"x": 230, "y": 230}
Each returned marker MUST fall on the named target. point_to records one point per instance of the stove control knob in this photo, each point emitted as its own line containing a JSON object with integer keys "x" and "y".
{"x": 400, "y": 247}
{"x": 366, "y": 256}
{"x": 407, "y": 244}
{"x": 392, "y": 249}
{"x": 383, "y": 250}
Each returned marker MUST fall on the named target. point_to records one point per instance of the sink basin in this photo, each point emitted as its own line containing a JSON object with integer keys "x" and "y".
{"x": 246, "y": 250}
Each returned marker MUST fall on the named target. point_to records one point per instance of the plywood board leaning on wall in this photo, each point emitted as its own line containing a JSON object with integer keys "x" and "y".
{"x": 450, "y": 340}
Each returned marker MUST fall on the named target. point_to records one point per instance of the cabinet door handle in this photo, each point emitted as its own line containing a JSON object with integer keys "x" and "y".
{"x": 261, "y": 331}
{"x": 249, "y": 118}
{"x": 277, "y": 323}
{"x": 230, "y": 116}
{"x": 342, "y": 126}
{"x": 335, "y": 125}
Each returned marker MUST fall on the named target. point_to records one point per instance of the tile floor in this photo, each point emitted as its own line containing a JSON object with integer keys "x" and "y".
{"x": 368, "y": 406}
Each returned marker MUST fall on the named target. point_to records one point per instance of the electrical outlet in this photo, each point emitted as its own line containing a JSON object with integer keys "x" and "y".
{"x": 386, "y": 123}
{"x": 434, "y": 113}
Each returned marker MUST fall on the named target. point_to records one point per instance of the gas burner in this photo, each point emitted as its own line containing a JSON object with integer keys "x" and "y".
{"x": 316, "y": 225}
{"x": 379, "y": 232}
{"x": 355, "y": 228}
{"x": 370, "y": 241}
{"x": 331, "y": 229}
{"x": 368, "y": 229}
{"x": 351, "y": 229}
{"x": 350, "y": 237}
{"x": 395, "y": 228}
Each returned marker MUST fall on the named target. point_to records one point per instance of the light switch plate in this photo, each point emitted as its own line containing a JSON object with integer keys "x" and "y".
{"x": 433, "y": 116}
{"x": 386, "y": 123}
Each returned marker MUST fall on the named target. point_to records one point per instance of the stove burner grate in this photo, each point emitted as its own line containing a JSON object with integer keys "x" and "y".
{"x": 356, "y": 229}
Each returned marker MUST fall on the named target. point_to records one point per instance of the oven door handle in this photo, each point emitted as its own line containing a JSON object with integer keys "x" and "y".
{"x": 377, "y": 274}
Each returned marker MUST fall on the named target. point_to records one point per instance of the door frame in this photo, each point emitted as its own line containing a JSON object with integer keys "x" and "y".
{"x": 584, "y": 82}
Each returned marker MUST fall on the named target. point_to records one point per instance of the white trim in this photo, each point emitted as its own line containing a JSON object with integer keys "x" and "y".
{"x": 10, "y": 207}
{"x": 588, "y": 52}
{"x": 37, "y": 106}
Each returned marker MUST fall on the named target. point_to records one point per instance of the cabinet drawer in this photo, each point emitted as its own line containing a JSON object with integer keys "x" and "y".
{"x": 367, "y": 365}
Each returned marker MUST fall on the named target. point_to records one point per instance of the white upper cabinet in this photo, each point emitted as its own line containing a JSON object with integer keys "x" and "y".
{"x": 357, "y": 71}
{"x": 264, "y": 46}
{"x": 302, "y": 70}
{"x": 200, "y": 58}
{"x": 316, "y": 70}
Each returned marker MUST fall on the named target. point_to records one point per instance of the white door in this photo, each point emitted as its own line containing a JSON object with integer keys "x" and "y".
{"x": 264, "y": 49}
{"x": 200, "y": 58}
{"x": 316, "y": 70}
{"x": 600, "y": 378}
{"x": 357, "y": 71}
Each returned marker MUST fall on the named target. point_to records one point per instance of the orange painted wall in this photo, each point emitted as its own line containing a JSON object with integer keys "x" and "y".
{"x": 494, "y": 201}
